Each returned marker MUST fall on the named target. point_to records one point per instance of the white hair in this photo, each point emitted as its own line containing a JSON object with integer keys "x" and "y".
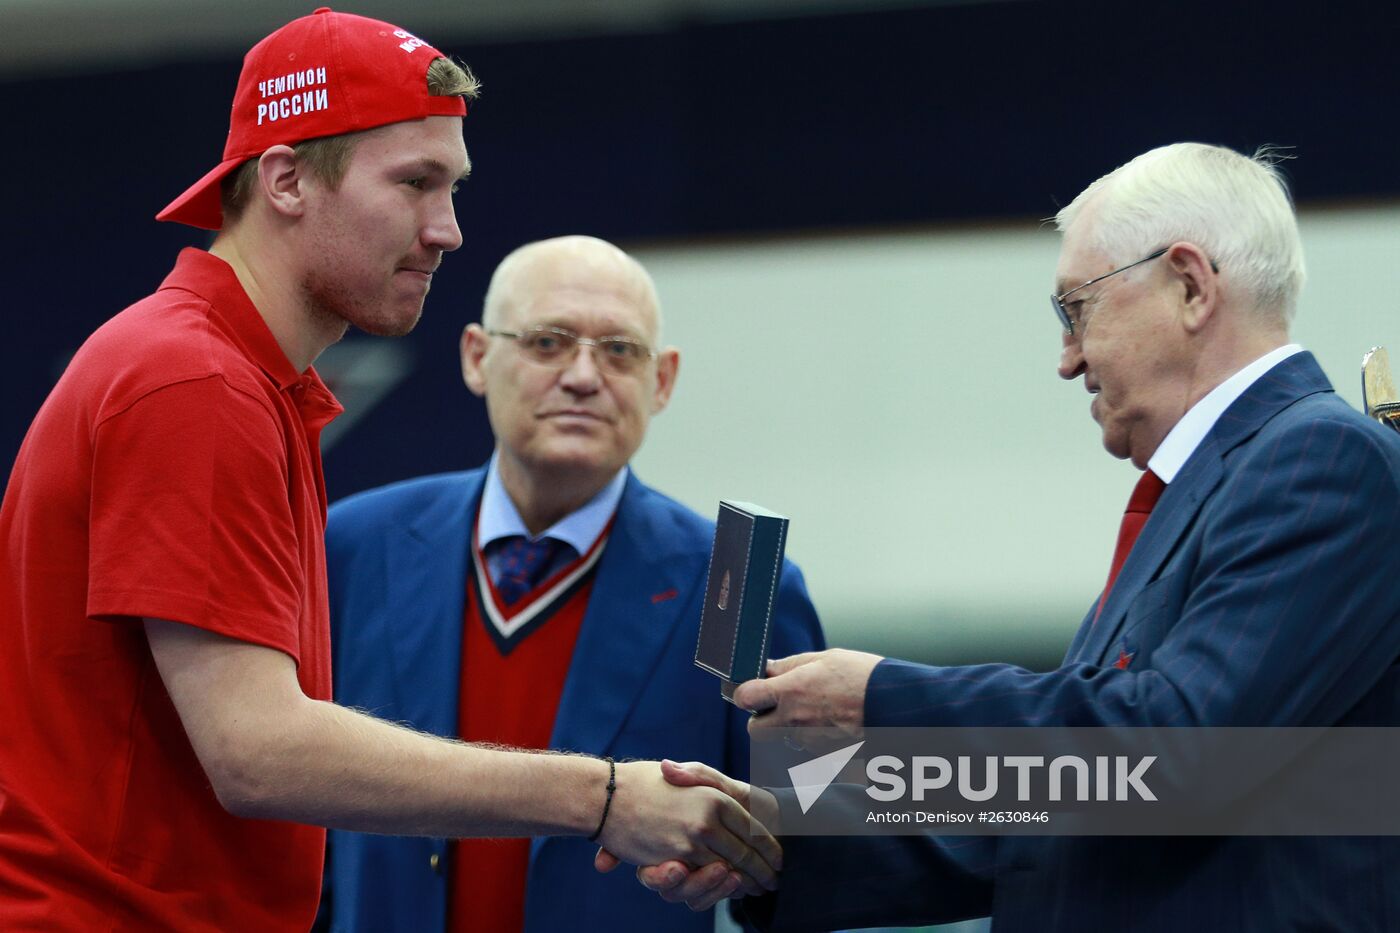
{"x": 1234, "y": 207}
{"x": 511, "y": 281}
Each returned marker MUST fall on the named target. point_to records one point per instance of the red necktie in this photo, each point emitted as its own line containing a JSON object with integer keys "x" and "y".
{"x": 1145, "y": 495}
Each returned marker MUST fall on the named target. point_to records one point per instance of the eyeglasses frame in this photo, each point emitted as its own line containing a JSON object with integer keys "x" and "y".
{"x": 1057, "y": 301}
{"x": 579, "y": 341}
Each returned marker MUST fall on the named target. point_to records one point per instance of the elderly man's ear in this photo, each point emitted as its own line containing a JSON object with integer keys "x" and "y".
{"x": 668, "y": 364}
{"x": 473, "y": 348}
{"x": 1198, "y": 281}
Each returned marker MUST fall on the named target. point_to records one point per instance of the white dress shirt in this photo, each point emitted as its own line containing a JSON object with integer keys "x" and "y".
{"x": 1183, "y": 439}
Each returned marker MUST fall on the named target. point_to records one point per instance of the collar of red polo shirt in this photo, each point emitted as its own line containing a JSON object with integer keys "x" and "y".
{"x": 320, "y": 75}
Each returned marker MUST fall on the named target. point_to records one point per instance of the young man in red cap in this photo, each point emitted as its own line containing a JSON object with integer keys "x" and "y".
{"x": 163, "y": 618}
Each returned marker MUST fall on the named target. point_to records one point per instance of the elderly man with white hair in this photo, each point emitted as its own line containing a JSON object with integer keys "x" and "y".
{"x": 1237, "y": 596}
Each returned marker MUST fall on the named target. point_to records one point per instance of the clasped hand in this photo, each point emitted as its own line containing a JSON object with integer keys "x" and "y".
{"x": 822, "y": 689}
{"x": 688, "y": 817}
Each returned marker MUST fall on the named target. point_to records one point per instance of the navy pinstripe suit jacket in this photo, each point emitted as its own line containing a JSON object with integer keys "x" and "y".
{"x": 1248, "y": 600}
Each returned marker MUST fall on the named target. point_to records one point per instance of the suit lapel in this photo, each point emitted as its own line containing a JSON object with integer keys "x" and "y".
{"x": 624, "y": 631}
{"x": 427, "y": 593}
{"x": 1295, "y": 377}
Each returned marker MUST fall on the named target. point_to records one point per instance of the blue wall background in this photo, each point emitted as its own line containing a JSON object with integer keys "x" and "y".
{"x": 944, "y": 115}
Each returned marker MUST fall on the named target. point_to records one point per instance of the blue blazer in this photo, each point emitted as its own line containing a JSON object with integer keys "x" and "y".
{"x": 1262, "y": 592}
{"x": 398, "y": 559}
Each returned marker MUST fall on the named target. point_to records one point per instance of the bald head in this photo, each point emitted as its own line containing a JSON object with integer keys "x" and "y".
{"x": 566, "y": 422}
{"x": 569, "y": 261}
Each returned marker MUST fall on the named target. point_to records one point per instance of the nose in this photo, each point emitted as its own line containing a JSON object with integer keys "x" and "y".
{"x": 440, "y": 231}
{"x": 581, "y": 376}
{"x": 1071, "y": 357}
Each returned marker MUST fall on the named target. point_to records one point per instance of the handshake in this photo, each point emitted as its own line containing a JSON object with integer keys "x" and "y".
{"x": 701, "y": 836}
{"x": 690, "y": 828}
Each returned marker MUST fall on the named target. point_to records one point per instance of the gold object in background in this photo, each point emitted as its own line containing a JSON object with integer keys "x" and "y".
{"x": 1378, "y": 395}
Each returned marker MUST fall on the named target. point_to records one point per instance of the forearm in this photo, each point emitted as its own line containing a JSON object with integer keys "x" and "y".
{"x": 271, "y": 752}
{"x": 337, "y": 767}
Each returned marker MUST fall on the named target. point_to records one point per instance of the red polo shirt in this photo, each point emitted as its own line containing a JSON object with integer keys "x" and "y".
{"x": 174, "y": 472}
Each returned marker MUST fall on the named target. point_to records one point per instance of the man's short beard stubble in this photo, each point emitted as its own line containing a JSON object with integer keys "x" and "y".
{"x": 331, "y": 302}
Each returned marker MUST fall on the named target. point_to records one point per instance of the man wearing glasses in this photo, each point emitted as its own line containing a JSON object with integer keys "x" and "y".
{"x": 1253, "y": 586}
{"x": 548, "y": 599}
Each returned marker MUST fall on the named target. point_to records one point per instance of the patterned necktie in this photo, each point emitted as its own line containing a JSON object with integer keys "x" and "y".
{"x": 1145, "y": 495}
{"x": 523, "y": 564}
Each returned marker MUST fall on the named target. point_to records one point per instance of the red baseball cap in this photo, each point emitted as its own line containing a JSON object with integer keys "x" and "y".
{"x": 321, "y": 75}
